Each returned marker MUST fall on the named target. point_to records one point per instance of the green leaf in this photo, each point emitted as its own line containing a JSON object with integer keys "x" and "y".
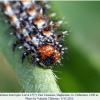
{"x": 32, "y": 78}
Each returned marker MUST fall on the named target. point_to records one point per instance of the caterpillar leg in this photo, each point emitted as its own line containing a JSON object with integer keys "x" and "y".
{"x": 25, "y": 53}
{"x": 15, "y": 44}
{"x": 1, "y": 7}
{"x": 33, "y": 59}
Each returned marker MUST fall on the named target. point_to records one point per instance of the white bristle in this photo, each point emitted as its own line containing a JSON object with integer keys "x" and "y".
{"x": 62, "y": 52}
{"x": 58, "y": 61}
{"x": 60, "y": 22}
{"x": 60, "y": 45}
{"x": 41, "y": 11}
{"x": 53, "y": 14}
{"x": 65, "y": 48}
{"x": 48, "y": 6}
{"x": 64, "y": 32}
{"x": 11, "y": 33}
{"x": 51, "y": 22}
{"x": 20, "y": 47}
{"x": 33, "y": 1}
{"x": 6, "y": 21}
{"x": 37, "y": 59}
{"x": 57, "y": 42}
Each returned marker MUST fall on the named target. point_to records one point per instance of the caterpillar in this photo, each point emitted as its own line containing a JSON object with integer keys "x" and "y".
{"x": 35, "y": 31}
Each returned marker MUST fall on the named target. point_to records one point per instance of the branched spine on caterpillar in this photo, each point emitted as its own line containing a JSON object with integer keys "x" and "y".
{"x": 35, "y": 31}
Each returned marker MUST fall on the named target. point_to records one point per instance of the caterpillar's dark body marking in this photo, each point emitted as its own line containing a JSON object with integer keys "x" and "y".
{"x": 35, "y": 31}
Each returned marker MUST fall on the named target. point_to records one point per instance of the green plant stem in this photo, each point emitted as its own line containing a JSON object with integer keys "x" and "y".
{"x": 32, "y": 78}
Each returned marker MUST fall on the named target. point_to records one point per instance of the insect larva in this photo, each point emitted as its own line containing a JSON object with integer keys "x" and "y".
{"x": 35, "y": 31}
